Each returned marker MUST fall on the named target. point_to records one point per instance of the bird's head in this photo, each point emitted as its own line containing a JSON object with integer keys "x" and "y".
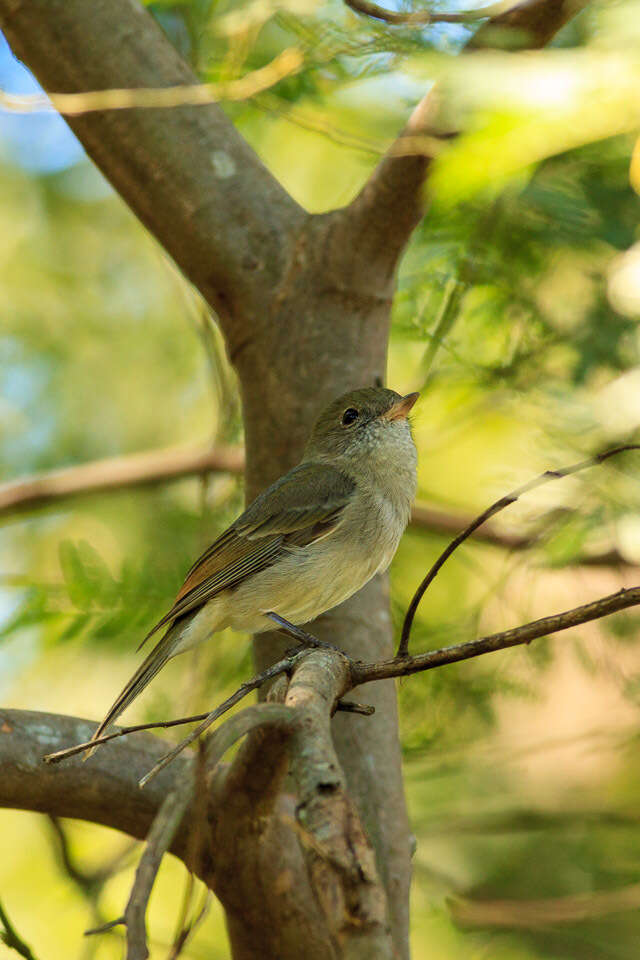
{"x": 361, "y": 425}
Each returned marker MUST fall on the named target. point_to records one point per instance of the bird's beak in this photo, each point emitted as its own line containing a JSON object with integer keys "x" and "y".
{"x": 400, "y": 409}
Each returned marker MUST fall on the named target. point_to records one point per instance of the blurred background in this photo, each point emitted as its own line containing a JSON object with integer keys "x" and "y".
{"x": 516, "y": 317}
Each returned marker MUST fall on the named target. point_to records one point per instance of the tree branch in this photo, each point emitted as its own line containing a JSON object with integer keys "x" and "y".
{"x": 114, "y": 474}
{"x": 420, "y": 18}
{"x": 302, "y": 687}
{"x": 404, "y": 666}
{"x": 69, "y": 104}
{"x": 494, "y": 508}
{"x": 392, "y": 202}
{"x": 104, "y": 791}
{"x": 117, "y": 473}
{"x": 162, "y": 832}
{"x": 340, "y": 859}
{"x": 186, "y": 172}
{"x": 10, "y": 937}
{"x": 530, "y": 24}
{"x": 533, "y": 914}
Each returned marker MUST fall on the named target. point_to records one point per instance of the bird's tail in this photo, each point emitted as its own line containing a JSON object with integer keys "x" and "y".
{"x": 161, "y": 653}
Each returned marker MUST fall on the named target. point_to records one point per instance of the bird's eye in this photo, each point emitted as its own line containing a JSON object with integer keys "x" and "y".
{"x": 350, "y": 416}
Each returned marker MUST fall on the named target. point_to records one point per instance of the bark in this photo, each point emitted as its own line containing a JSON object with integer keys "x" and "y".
{"x": 304, "y": 303}
{"x": 103, "y": 791}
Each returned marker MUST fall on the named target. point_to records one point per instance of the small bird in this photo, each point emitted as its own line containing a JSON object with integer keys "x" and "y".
{"x": 308, "y": 542}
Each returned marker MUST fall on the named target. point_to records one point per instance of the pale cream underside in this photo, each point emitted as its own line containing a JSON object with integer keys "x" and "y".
{"x": 308, "y": 581}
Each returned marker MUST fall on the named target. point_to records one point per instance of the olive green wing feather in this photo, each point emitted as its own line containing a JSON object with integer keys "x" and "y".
{"x": 299, "y": 508}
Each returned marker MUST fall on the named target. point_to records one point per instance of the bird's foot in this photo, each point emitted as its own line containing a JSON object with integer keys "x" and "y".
{"x": 304, "y": 639}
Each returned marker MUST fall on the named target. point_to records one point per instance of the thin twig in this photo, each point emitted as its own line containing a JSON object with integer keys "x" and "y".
{"x": 105, "y": 927}
{"x": 161, "y": 834}
{"x": 451, "y": 298}
{"x": 496, "y": 507}
{"x": 420, "y": 18}
{"x": 237, "y": 726}
{"x": 282, "y": 666}
{"x": 404, "y": 666}
{"x": 89, "y": 881}
{"x": 10, "y": 938}
{"x": 189, "y": 929}
{"x": 122, "y": 732}
{"x": 285, "y": 64}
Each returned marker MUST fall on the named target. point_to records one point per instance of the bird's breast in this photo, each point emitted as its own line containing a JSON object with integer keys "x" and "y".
{"x": 307, "y": 581}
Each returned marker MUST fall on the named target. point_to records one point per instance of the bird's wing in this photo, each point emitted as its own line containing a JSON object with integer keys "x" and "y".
{"x": 303, "y": 506}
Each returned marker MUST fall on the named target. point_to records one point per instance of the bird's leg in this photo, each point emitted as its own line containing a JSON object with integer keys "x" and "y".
{"x": 308, "y": 640}
{"x": 304, "y": 638}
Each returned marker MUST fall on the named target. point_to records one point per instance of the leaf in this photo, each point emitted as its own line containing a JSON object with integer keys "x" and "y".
{"x": 78, "y": 585}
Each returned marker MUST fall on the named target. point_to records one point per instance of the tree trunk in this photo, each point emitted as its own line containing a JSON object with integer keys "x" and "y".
{"x": 328, "y": 333}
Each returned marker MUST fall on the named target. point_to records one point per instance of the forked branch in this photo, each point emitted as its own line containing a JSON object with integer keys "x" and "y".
{"x": 491, "y": 511}
{"x": 402, "y": 666}
{"x": 175, "y": 806}
{"x": 394, "y": 199}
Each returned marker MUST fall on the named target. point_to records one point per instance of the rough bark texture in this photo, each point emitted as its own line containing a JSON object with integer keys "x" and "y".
{"x": 304, "y": 302}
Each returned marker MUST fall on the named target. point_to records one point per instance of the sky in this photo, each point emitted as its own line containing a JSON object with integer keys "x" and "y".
{"x": 38, "y": 142}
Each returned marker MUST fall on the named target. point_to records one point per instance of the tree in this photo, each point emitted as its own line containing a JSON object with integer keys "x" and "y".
{"x": 304, "y": 304}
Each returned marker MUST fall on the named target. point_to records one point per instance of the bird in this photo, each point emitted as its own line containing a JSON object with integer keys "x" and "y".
{"x": 306, "y": 543}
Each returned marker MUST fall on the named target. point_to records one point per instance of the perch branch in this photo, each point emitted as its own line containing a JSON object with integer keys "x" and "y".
{"x": 496, "y": 507}
{"x": 347, "y": 706}
{"x": 340, "y": 860}
{"x": 282, "y": 666}
{"x": 406, "y": 665}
